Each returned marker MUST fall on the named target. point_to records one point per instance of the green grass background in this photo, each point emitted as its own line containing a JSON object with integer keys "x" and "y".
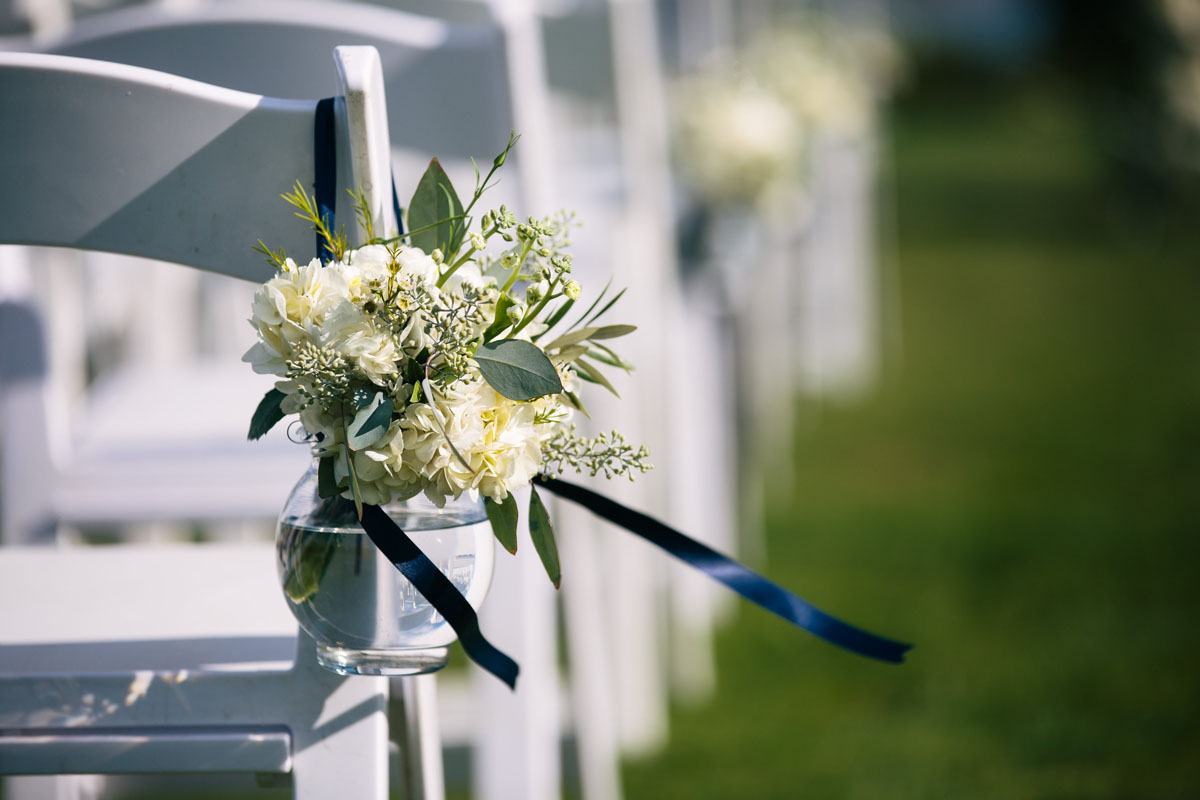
{"x": 1020, "y": 497}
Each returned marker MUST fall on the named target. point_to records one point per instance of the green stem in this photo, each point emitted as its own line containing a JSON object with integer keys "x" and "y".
{"x": 516, "y": 270}
{"x": 530, "y": 316}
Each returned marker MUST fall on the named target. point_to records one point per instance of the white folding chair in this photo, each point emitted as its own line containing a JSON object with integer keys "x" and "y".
{"x": 266, "y": 46}
{"x": 128, "y": 160}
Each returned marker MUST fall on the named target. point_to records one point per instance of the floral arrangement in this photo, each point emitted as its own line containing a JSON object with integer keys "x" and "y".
{"x": 744, "y": 126}
{"x": 444, "y": 361}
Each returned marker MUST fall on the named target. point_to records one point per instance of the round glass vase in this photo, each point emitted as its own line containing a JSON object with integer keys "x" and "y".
{"x": 365, "y": 617}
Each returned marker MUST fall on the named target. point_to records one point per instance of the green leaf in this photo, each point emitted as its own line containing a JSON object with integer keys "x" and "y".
{"x": 306, "y": 564}
{"x": 326, "y": 482}
{"x": 503, "y": 517}
{"x": 595, "y": 303}
{"x": 517, "y": 369}
{"x": 543, "y": 537}
{"x": 267, "y": 414}
{"x": 557, "y": 316}
{"x": 610, "y": 304}
{"x": 607, "y": 356}
{"x": 613, "y": 331}
{"x": 434, "y": 200}
{"x": 571, "y": 352}
{"x": 583, "y": 334}
{"x": 503, "y": 304}
{"x": 590, "y": 371}
{"x": 573, "y": 400}
{"x": 371, "y": 422}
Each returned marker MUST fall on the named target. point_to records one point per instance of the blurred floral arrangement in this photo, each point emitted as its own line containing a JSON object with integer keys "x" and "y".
{"x": 1181, "y": 81}
{"x": 745, "y": 126}
{"x": 435, "y": 362}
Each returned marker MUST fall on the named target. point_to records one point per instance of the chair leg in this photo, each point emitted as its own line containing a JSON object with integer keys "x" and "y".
{"x": 422, "y": 776}
{"x": 339, "y": 733}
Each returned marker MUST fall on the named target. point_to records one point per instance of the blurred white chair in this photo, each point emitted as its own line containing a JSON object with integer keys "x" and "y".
{"x": 135, "y": 639}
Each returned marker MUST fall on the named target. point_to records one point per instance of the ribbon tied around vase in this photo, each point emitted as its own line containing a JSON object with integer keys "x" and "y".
{"x": 435, "y": 587}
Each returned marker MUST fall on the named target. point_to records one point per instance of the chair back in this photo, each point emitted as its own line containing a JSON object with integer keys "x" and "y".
{"x": 126, "y": 160}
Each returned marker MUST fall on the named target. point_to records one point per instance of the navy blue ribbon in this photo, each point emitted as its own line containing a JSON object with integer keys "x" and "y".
{"x": 325, "y": 174}
{"x": 381, "y": 529}
{"x": 439, "y": 591}
{"x": 325, "y": 177}
{"x": 738, "y": 577}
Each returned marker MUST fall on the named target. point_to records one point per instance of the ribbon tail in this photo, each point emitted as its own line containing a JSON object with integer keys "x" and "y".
{"x": 439, "y": 591}
{"x": 734, "y": 575}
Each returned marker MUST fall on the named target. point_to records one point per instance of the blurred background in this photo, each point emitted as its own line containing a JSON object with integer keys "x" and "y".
{"x": 948, "y": 255}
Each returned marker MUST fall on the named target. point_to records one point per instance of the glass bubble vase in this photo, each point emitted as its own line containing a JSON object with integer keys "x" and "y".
{"x": 365, "y": 617}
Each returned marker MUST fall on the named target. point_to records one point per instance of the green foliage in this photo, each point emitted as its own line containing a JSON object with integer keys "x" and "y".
{"x": 503, "y": 517}
{"x": 517, "y": 369}
{"x": 266, "y": 415}
{"x": 433, "y": 203}
{"x": 543, "y": 537}
{"x": 306, "y": 209}
{"x": 370, "y": 423}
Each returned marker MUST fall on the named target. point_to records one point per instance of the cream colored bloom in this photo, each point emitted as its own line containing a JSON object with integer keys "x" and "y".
{"x": 356, "y": 335}
{"x": 291, "y": 308}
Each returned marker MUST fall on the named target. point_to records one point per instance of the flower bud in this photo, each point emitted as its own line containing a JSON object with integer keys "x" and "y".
{"x": 437, "y": 256}
{"x": 478, "y": 242}
{"x": 572, "y": 289}
{"x": 515, "y": 313}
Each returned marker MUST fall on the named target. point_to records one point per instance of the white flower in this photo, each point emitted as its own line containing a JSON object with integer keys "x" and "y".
{"x": 291, "y": 308}
{"x": 355, "y": 334}
{"x": 366, "y": 268}
{"x": 414, "y": 263}
{"x": 498, "y": 440}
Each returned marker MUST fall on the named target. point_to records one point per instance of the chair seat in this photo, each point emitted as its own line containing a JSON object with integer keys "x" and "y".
{"x": 157, "y": 443}
{"x": 142, "y": 607}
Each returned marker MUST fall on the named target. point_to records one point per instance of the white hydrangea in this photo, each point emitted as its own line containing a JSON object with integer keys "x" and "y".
{"x": 358, "y": 336}
{"x": 291, "y": 308}
{"x": 498, "y": 439}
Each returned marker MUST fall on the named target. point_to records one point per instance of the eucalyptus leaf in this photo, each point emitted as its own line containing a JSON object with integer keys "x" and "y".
{"x": 503, "y": 517}
{"x": 434, "y": 200}
{"x": 371, "y": 422}
{"x": 596, "y": 375}
{"x": 543, "y": 537}
{"x": 266, "y": 415}
{"x": 517, "y": 369}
